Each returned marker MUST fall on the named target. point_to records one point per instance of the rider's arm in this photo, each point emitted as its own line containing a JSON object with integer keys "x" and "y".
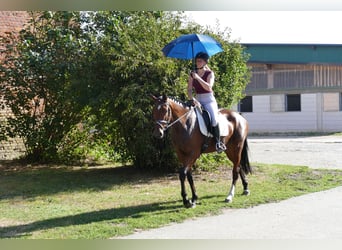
{"x": 206, "y": 85}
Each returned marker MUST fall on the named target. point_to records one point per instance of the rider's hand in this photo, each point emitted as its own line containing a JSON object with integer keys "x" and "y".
{"x": 191, "y": 103}
{"x": 194, "y": 75}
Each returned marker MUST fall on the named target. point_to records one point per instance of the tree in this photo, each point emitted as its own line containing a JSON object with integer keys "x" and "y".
{"x": 40, "y": 81}
{"x": 128, "y": 55}
{"x": 231, "y": 72}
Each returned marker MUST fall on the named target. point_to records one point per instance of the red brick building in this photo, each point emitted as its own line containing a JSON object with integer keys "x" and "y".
{"x": 11, "y": 21}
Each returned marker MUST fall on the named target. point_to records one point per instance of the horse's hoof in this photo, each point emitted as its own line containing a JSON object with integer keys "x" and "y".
{"x": 246, "y": 192}
{"x": 188, "y": 204}
{"x": 228, "y": 200}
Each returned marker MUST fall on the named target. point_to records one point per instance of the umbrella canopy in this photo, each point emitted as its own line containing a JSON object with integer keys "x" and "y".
{"x": 187, "y": 46}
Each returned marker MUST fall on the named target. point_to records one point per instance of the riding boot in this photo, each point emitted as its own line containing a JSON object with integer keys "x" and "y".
{"x": 220, "y": 147}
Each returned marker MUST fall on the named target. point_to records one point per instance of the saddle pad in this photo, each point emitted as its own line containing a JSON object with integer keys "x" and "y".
{"x": 222, "y": 121}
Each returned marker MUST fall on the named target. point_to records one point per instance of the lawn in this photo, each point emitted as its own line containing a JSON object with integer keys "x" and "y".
{"x": 102, "y": 202}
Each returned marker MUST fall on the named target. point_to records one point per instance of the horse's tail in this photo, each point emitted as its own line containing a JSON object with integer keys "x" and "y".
{"x": 246, "y": 167}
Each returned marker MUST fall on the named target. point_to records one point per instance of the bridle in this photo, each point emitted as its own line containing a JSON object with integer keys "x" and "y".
{"x": 166, "y": 124}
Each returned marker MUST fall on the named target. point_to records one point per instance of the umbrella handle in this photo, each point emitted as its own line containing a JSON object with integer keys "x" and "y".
{"x": 193, "y": 58}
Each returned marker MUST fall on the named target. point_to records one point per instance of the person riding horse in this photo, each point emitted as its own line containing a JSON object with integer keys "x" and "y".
{"x": 202, "y": 81}
{"x": 187, "y": 140}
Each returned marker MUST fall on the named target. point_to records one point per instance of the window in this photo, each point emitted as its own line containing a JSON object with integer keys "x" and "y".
{"x": 293, "y": 102}
{"x": 246, "y": 104}
{"x": 340, "y": 101}
{"x": 277, "y": 103}
{"x": 331, "y": 102}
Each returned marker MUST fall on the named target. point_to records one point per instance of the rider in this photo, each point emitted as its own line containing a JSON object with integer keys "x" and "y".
{"x": 202, "y": 81}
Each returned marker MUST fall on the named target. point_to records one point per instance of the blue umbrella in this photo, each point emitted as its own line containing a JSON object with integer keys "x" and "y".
{"x": 187, "y": 46}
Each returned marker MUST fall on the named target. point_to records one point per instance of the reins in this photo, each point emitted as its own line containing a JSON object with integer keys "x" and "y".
{"x": 169, "y": 125}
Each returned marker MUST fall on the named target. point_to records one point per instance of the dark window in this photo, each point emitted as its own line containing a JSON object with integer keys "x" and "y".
{"x": 246, "y": 104}
{"x": 293, "y": 102}
{"x": 340, "y": 101}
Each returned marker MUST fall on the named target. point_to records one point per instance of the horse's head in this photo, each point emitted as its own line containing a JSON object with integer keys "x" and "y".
{"x": 161, "y": 115}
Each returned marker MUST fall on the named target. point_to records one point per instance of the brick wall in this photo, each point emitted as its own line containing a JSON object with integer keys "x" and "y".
{"x": 11, "y": 21}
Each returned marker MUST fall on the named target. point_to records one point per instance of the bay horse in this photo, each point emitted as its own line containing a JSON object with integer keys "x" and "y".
{"x": 188, "y": 140}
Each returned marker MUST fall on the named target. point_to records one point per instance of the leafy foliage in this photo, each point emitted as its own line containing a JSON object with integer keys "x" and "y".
{"x": 233, "y": 74}
{"x": 135, "y": 68}
{"x": 40, "y": 81}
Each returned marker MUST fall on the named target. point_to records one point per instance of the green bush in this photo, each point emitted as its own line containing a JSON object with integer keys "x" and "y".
{"x": 40, "y": 82}
{"x": 212, "y": 162}
{"x": 84, "y": 144}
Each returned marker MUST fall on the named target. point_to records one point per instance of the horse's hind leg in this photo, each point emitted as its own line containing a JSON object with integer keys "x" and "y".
{"x": 237, "y": 170}
{"x": 234, "y": 154}
{"x": 244, "y": 183}
{"x": 231, "y": 193}
{"x": 235, "y": 157}
{"x": 245, "y": 167}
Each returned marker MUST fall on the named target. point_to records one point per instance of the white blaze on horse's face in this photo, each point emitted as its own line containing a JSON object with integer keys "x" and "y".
{"x": 158, "y": 132}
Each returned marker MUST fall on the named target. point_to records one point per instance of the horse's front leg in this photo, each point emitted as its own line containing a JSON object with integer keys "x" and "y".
{"x": 182, "y": 176}
{"x": 193, "y": 189}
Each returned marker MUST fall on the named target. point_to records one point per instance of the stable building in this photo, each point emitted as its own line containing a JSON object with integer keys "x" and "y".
{"x": 294, "y": 88}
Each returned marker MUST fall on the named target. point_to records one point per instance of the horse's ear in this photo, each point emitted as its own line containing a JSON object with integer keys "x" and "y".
{"x": 164, "y": 98}
{"x": 153, "y": 97}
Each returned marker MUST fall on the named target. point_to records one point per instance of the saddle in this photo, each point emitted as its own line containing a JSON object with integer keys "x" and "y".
{"x": 204, "y": 121}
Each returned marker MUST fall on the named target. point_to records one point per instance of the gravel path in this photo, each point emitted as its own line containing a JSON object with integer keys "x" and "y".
{"x": 313, "y": 216}
{"x": 315, "y": 151}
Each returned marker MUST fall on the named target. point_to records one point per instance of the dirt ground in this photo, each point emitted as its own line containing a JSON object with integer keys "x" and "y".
{"x": 312, "y": 151}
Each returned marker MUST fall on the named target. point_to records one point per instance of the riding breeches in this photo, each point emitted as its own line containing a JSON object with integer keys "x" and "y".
{"x": 208, "y": 101}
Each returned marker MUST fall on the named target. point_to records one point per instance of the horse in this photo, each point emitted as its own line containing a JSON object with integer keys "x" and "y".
{"x": 188, "y": 141}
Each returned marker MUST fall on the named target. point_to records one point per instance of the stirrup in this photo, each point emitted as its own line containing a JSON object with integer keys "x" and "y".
{"x": 220, "y": 147}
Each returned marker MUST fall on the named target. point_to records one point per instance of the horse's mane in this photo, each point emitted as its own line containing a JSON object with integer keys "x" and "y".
{"x": 179, "y": 102}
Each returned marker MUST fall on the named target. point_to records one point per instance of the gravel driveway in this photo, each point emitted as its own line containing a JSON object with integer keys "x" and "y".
{"x": 313, "y": 216}
{"x": 313, "y": 151}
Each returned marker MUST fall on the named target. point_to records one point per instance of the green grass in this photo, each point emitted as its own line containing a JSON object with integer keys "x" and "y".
{"x": 105, "y": 202}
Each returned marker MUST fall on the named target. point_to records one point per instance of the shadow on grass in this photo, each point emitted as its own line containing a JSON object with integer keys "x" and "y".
{"x": 112, "y": 215}
{"x": 87, "y": 218}
{"x": 28, "y": 182}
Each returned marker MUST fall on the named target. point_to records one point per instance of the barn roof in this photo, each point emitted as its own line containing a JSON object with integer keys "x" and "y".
{"x": 294, "y": 53}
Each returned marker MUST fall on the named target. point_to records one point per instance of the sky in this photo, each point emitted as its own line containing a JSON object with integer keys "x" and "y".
{"x": 310, "y": 27}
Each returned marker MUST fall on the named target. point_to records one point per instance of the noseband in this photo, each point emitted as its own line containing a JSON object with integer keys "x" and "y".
{"x": 166, "y": 124}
